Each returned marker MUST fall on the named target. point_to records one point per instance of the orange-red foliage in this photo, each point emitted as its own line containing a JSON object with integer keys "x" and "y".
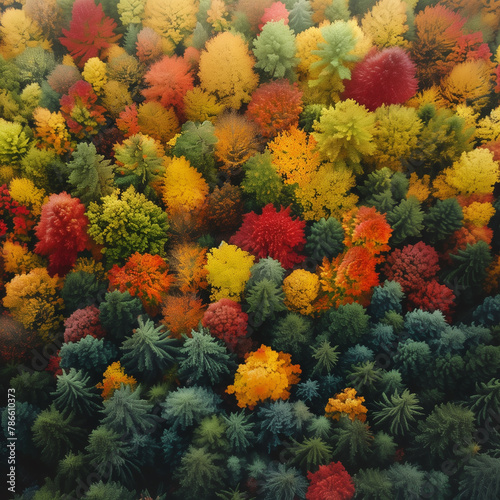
{"x": 145, "y": 277}
{"x": 275, "y": 107}
{"x": 169, "y": 79}
{"x": 182, "y": 313}
{"x": 127, "y": 121}
{"x": 188, "y": 263}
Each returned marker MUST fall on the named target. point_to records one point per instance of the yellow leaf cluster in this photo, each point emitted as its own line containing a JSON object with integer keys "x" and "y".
{"x": 174, "y": 20}
{"x": 327, "y": 194}
{"x": 488, "y": 129}
{"x": 217, "y": 15}
{"x": 90, "y": 266}
{"x": 468, "y": 81}
{"x": 226, "y": 70}
{"x": 228, "y": 271}
{"x": 346, "y": 403}
{"x": 33, "y": 301}
{"x": 478, "y": 214}
{"x": 200, "y": 106}
{"x": 266, "y": 374}
{"x": 469, "y": 115}
{"x": 17, "y": 32}
{"x": 116, "y": 97}
{"x": 475, "y": 172}
{"x": 419, "y": 187}
{"x": 51, "y": 131}
{"x": 301, "y": 289}
{"x": 184, "y": 188}
{"x": 294, "y": 156}
{"x": 114, "y": 376}
{"x": 26, "y": 193}
{"x": 386, "y": 23}
{"x": 94, "y": 72}
{"x": 395, "y": 136}
{"x": 17, "y": 259}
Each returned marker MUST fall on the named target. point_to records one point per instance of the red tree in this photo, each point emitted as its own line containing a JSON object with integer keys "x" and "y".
{"x": 169, "y": 79}
{"x": 90, "y": 31}
{"x": 330, "y": 482}
{"x": 62, "y": 232}
{"x": 272, "y": 234}
{"x": 385, "y": 77}
{"x": 226, "y": 321}
{"x": 275, "y": 107}
{"x": 83, "y": 322}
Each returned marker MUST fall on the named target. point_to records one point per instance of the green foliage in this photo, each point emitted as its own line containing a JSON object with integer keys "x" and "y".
{"x": 199, "y": 473}
{"x": 141, "y": 163}
{"x": 126, "y": 224}
{"x": 283, "y": 483}
{"x": 211, "y": 434}
{"x": 390, "y": 382}
{"x": 90, "y": 355}
{"x": 399, "y": 412}
{"x": 261, "y": 182}
{"x": 33, "y": 387}
{"x": 480, "y": 479}
{"x": 43, "y": 167}
{"x": 108, "y": 491}
{"x": 481, "y": 362}
{"x": 326, "y": 239}
{"x": 353, "y": 440}
{"x": 275, "y": 421}
{"x": 442, "y": 219}
{"x": 69, "y": 469}
{"x": 406, "y": 220}
{"x": 488, "y": 312}
{"x": 187, "y": 406}
{"x": 347, "y": 324}
{"x": 364, "y": 376}
{"x": 449, "y": 372}
{"x": 413, "y": 359}
{"x": 34, "y": 64}
{"x": 197, "y": 144}
{"x": 9, "y": 75}
{"x": 274, "y": 50}
{"x": 26, "y": 415}
{"x": 407, "y": 480}
{"x": 320, "y": 427}
{"x": 310, "y": 114}
{"x": 75, "y": 395}
{"x": 384, "y": 448}
{"x": 81, "y": 289}
{"x": 471, "y": 264}
{"x": 267, "y": 268}
{"x": 385, "y": 298}
{"x": 126, "y": 412}
{"x": 486, "y": 400}
{"x": 425, "y": 325}
{"x": 311, "y": 453}
{"x": 442, "y": 140}
{"x": 110, "y": 455}
{"x": 54, "y": 434}
{"x": 447, "y": 429}
{"x": 119, "y": 312}
{"x": 326, "y": 357}
{"x": 291, "y": 334}
{"x": 239, "y": 431}
{"x": 300, "y": 16}
{"x": 338, "y": 10}
{"x": 373, "y": 484}
{"x": 204, "y": 358}
{"x": 90, "y": 174}
{"x": 335, "y": 52}
{"x": 148, "y": 351}
{"x": 265, "y": 299}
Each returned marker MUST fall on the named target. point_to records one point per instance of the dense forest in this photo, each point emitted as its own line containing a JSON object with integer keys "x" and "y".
{"x": 250, "y": 249}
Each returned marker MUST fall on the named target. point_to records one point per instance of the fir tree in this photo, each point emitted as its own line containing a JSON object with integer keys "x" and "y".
{"x": 239, "y": 431}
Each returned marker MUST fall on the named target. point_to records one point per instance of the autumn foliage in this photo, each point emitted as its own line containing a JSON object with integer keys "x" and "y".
{"x": 266, "y": 374}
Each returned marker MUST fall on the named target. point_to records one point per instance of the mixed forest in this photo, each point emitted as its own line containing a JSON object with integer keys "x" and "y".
{"x": 250, "y": 249}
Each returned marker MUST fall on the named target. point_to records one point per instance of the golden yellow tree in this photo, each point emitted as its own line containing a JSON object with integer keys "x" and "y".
{"x": 226, "y": 70}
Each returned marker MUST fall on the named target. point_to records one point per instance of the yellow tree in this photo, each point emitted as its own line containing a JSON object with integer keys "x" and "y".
{"x": 226, "y": 70}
